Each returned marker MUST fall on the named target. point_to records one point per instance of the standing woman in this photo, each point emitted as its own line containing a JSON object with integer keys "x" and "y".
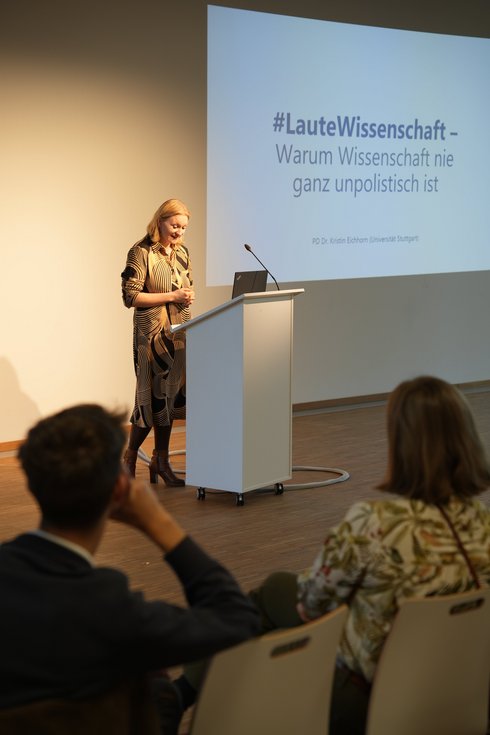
{"x": 157, "y": 283}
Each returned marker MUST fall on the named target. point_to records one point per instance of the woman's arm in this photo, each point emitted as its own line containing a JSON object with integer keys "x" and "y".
{"x": 181, "y": 296}
{"x": 133, "y": 280}
{"x": 339, "y": 566}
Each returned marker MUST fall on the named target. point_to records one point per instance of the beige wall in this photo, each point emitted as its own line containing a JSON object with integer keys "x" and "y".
{"x": 103, "y": 117}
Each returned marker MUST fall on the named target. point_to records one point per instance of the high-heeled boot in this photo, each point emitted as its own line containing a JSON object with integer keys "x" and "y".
{"x": 129, "y": 461}
{"x": 159, "y": 465}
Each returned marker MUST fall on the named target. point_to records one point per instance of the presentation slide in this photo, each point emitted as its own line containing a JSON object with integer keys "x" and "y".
{"x": 344, "y": 151}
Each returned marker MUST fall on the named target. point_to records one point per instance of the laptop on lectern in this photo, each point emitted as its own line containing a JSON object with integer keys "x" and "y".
{"x": 249, "y": 282}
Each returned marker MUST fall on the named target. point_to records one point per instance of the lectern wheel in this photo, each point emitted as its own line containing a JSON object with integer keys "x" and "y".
{"x": 279, "y": 488}
{"x": 240, "y": 500}
{"x": 201, "y": 493}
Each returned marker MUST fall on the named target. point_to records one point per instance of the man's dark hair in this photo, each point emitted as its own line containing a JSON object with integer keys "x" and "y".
{"x": 72, "y": 460}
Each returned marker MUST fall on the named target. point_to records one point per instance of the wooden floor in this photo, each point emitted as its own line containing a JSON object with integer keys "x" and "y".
{"x": 269, "y": 532}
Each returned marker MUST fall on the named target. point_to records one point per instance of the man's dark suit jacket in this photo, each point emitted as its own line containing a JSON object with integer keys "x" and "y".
{"x": 71, "y": 630}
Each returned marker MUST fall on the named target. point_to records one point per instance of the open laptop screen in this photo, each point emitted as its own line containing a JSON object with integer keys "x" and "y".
{"x": 249, "y": 282}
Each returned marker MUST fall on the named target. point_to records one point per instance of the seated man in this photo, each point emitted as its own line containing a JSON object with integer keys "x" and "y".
{"x": 71, "y": 629}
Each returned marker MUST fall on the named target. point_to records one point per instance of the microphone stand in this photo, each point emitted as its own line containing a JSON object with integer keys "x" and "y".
{"x": 247, "y": 247}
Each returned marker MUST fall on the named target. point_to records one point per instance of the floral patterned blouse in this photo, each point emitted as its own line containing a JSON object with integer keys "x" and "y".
{"x": 385, "y": 551}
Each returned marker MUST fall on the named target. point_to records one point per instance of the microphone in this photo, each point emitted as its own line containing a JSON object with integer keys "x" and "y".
{"x": 247, "y": 247}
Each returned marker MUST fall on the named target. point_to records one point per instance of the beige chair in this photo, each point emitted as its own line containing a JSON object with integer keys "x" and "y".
{"x": 434, "y": 672}
{"x": 125, "y": 710}
{"x": 279, "y": 684}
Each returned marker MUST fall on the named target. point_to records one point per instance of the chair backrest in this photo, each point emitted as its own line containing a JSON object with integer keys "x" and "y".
{"x": 127, "y": 709}
{"x": 434, "y": 672}
{"x": 279, "y": 683}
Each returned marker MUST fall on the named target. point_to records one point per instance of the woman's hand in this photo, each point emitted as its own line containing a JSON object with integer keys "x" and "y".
{"x": 183, "y": 296}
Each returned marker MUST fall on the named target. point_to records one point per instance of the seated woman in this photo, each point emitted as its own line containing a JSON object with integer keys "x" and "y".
{"x": 431, "y": 538}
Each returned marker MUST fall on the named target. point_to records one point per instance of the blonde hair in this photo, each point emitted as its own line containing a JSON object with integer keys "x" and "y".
{"x": 434, "y": 450}
{"x": 170, "y": 208}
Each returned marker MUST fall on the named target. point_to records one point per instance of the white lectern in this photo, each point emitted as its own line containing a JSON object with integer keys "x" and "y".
{"x": 239, "y": 371}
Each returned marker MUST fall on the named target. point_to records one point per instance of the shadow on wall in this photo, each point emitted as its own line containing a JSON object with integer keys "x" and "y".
{"x": 18, "y": 412}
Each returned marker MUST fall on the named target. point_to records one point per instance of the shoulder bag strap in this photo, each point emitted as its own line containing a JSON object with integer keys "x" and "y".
{"x": 461, "y": 547}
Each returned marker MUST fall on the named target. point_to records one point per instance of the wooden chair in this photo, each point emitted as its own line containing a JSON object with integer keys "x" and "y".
{"x": 279, "y": 683}
{"x": 434, "y": 672}
{"x": 125, "y": 710}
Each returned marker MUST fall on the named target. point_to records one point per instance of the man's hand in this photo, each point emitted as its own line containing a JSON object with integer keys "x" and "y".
{"x": 137, "y": 505}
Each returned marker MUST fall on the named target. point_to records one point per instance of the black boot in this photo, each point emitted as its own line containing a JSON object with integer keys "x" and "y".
{"x": 159, "y": 465}
{"x": 129, "y": 461}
